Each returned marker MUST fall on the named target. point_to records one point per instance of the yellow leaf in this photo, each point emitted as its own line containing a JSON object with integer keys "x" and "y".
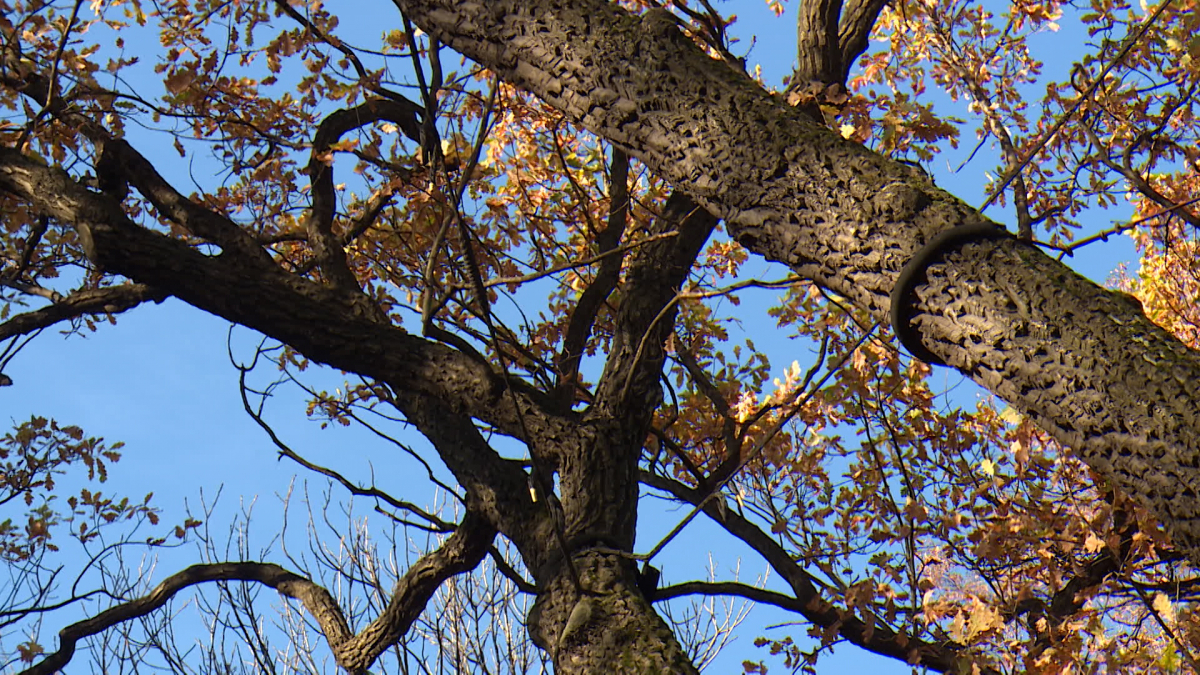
{"x": 1162, "y": 605}
{"x": 846, "y": 130}
{"x": 1010, "y": 415}
{"x": 983, "y": 619}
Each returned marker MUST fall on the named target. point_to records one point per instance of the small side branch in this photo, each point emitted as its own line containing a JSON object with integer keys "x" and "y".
{"x": 112, "y": 300}
{"x": 327, "y": 246}
{"x": 808, "y": 601}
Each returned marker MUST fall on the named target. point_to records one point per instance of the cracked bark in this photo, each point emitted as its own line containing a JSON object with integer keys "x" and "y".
{"x": 1084, "y": 363}
{"x": 1086, "y": 366}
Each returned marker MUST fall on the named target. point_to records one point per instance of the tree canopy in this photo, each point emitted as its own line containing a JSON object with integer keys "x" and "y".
{"x": 523, "y": 231}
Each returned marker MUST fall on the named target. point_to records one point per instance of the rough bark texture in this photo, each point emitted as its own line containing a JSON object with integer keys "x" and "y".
{"x": 1082, "y": 361}
{"x": 1085, "y": 364}
{"x": 610, "y": 628}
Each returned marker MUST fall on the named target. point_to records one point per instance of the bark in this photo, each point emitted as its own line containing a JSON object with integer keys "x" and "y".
{"x": 441, "y": 390}
{"x": 1083, "y": 363}
{"x": 609, "y": 628}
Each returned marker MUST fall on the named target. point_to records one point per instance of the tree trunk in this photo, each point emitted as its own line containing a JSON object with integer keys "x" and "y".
{"x": 610, "y": 628}
{"x": 1083, "y": 362}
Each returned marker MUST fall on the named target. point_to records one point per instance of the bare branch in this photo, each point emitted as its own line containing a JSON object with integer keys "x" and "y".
{"x": 460, "y": 553}
{"x": 736, "y": 588}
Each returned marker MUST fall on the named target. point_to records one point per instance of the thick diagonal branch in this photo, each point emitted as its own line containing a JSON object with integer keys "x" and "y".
{"x": 123, "y": 164}
{"x": 460, "y": 553}
{"x": 1086, "y": 366}
{"x": 326, "y": 326}
{"x": 496, "y": 488}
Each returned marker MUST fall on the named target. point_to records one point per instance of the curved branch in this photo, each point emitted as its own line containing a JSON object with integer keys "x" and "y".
{"x": 327, "y": 246}
{"x": 854, "y": 31}
{"x": 736, "y": 588}
{"x": 461, "y": 552}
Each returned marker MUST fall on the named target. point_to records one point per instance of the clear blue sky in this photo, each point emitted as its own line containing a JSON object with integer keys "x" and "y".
{"x": 161, "y": 381}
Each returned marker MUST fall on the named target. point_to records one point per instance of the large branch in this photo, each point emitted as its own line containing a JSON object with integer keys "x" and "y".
{"x": 327, "y": 326}
{"x": 119, "y": 164}
{"x": 649, "y": 302}
{"x": 1085, "y": 365}
{"x": 819, "y": 54}
{"x": 460, "y": 553}
{"x": 599, "y": 484}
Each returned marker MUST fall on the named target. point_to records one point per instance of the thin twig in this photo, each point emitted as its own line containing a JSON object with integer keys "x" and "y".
{"x": 1120, "y": 56}
{"x": 758, "y": 447}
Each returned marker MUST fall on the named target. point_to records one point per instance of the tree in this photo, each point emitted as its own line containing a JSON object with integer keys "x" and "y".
{"x": 490, "y": 190}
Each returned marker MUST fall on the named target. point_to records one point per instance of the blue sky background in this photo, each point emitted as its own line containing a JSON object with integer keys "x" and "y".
{"x": 161, "y": 381}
